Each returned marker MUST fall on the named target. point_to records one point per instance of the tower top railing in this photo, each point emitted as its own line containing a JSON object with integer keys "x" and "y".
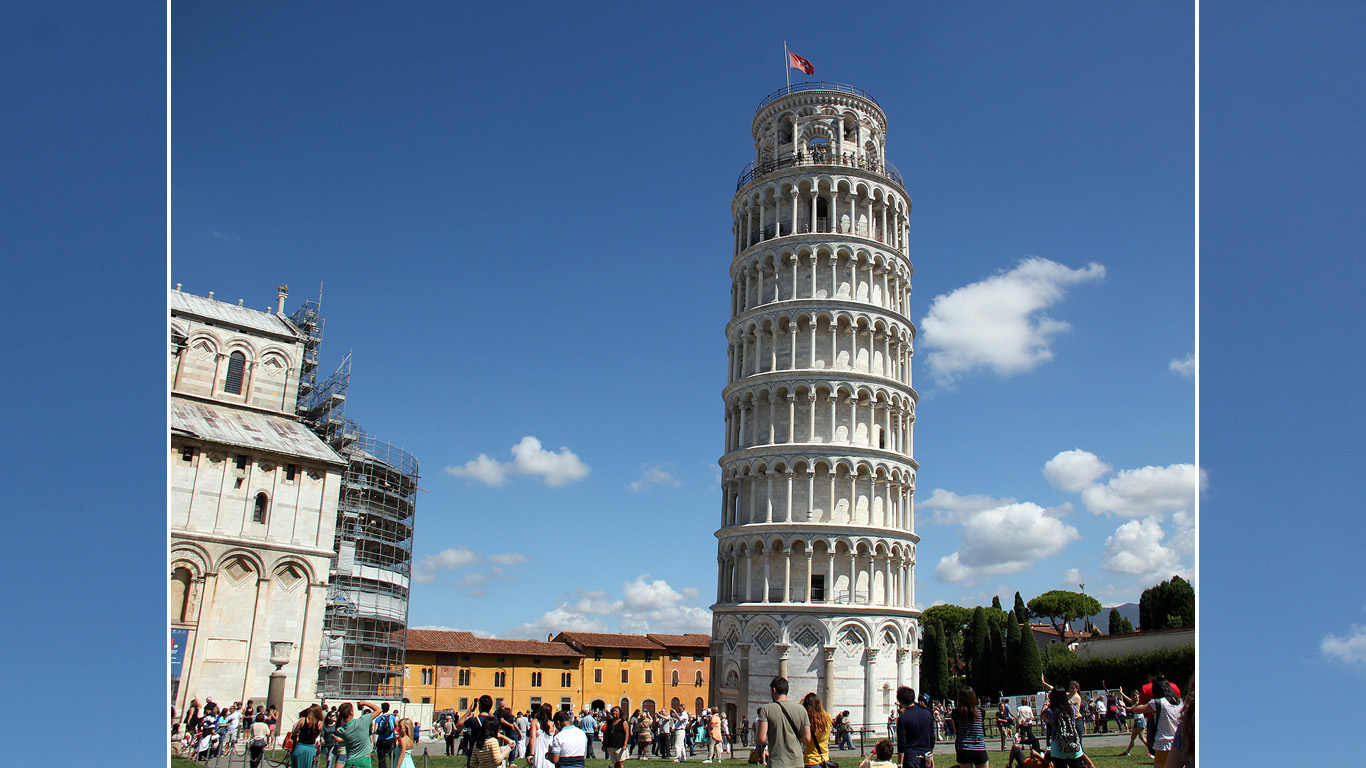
{"x": 817, "y": 86}
{"x": 752, "y": 171}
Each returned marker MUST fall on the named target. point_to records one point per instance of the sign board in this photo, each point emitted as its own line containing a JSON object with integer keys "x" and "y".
{"x": 180, "y": 637}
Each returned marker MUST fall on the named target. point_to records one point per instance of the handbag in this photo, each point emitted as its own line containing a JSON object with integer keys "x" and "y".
{"x": 289, "y": 741}
{"x": 756, "y": 756}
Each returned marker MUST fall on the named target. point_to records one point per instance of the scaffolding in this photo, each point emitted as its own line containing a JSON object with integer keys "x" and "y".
{"x": 366, "y": 615}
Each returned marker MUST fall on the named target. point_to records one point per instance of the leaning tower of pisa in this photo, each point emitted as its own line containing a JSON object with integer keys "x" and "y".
{"x": 816, "y": 553}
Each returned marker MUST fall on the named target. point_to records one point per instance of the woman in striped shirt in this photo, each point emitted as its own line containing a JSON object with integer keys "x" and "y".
{"x": 970, "y": 741}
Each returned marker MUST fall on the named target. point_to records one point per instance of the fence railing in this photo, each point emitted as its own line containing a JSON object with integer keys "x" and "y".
{"x": 819, "y": 157}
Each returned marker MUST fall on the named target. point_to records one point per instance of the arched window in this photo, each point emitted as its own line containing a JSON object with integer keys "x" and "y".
{"x": 237, "y": 365}
{"x": 699, "y": 678}
{"x": 673, "y": 677}
{"x": 697, "y": 706}
{"x": 180, "y": 593}
{"x": 258, "y": 515}
{"x": 674, "y": 704}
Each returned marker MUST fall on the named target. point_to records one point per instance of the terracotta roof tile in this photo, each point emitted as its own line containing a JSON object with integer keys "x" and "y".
{"x": 466, "y": 642}
{"x": 601, "y": 640}
{"x": 690, "y": 640}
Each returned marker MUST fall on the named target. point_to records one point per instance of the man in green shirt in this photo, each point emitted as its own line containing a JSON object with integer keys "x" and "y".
{"x": 355, "y": 733}
{"x": 783, "y": 728}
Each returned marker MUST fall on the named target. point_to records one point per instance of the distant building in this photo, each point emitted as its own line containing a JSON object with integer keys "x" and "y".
{"x": 1045, "y": 635}
{"x": 450, "y": 670}
{"x": 252, "y": 507}
{"x": 646, "y": 672}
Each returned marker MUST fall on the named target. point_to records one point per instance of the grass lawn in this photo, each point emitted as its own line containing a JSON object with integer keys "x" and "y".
{"x": 1103, "y": 757}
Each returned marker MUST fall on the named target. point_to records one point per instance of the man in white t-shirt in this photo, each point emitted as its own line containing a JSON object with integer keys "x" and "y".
{"x": 569, "y": 745}
{"x": 1026, "y": 712}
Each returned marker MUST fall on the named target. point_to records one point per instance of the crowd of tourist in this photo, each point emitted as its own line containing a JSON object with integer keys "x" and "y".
{"x": 785, "y": 734}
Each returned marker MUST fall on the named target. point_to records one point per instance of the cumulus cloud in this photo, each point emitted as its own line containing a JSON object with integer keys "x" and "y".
{"x": 1071, "y": 576}
{"x": 528, "y": 458}
{"x": 1184, "y": 366}
{"x": 644, "y": 605}
{"x": 655, "y": 474}
{"x": 1349, "y": 649}
{"x": 999, "y": 323}
{"x": 1074, "y": 470}
{"x": 949, "y": 507}
{"x": 1146, "y": 491}
{"x": 1005, "y": 539}
{"x": 1136, "y": 549}
{"x": 455, "y": 558}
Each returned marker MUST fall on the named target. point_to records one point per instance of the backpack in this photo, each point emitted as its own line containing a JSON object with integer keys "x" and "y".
{"x": 1067, "y": 740}
{"x": 384, "y": 728}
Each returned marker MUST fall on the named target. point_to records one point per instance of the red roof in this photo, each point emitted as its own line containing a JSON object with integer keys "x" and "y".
{"x": 466, "y": 642}
{"x": 690, "y": 640}
{"x": 583, "y": 640}
{"x": 1049, "y": 630}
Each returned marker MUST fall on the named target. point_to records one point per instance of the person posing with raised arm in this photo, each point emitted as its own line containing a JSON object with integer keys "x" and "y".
{"x": 355, "y": 732}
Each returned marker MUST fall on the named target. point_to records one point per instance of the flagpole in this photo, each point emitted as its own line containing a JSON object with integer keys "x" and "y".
{"x": 787, "y": 65}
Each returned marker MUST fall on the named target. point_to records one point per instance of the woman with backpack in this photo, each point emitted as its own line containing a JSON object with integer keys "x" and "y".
{"x": 1065, "y": 743}
{"x": 970, "y": 739}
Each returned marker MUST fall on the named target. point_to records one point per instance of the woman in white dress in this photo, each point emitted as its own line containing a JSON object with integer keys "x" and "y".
{"x": 539, "y": 739}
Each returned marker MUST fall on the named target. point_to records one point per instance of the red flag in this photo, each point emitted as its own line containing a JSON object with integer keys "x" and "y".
{"x": 797, "y": 62}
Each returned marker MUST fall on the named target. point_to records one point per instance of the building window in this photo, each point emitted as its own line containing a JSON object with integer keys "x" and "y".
{"x": 675, "y": 657}
{"x": 697, "y": 706}
{"x": 566, "y": 679}
{"x": 464, "y": 703}
{"x": 699, "y": 657}
{"x": 698, "y": 681}
{"x": 463, "y": 678}
{"x": 187, "y": 454}
{"x": 564, "y": 662}
{"x": 426, "y": 699}
{"x": 500, "y": 679}
{"x": 625, "y": 655}
{"x": 502, "y": 659}
{"x": 535, "y": 679}
{"x": 498, "y": 703}
{"x": 426, "y": 677}
{"x": 535, "y": 702}
{"x": 566, "y": 704}
{"x": 240, "y": 462}
{"x": 625, "y": 675}
{"x": 597, "y": 675}
{"x": 290, "y": 472}
{"x": 535, "y": 661}
{"x": 649, "y": 676}
{"x": 673, "y": 677}
{"x": 180, "y": 594}
{"x": 597, "y": 654}
{"x": 649, "y": 655}
{"x": 258, "y": 515}
{"x": 237, "y": 364}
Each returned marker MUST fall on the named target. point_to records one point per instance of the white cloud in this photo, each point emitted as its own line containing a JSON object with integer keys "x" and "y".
{"x": 1071, "y": 576}
{"x": 1074, "y": 470}
{"x": 644, "y": 605}
{"x": 1146, "y": 491}
{"x": 1184, "y": 366}
{"x": 455, "y": 558}
{"x": 1136, "y": 549}
{"x": 529, "y": 458}
{"x": 999, "y": 323}
{"x": 1350, "y": 649}
{"x": 655, "y": 474}
{"x": 1003, "y": 540}
{"x": 949, "y": 507}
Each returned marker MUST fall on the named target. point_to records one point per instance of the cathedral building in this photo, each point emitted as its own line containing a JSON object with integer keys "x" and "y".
{"x": 816, "y": 545}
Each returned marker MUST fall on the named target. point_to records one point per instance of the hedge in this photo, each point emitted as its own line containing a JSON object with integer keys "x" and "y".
{"x": 1129, "y": 671}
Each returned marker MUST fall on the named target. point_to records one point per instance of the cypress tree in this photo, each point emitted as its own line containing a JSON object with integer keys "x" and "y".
{"x": 996, "y": 661}
{"x": 1011, "y": 673}
{"x": 996, "y": 602}
{"x": 929, "y": 659}
{"x": 1031, "y": 663}
{"x": 1119, "y": 625}
{"x": 976, "y": 649}
{"x": 1021, "y": 611}
{"x": 943, "y": 661}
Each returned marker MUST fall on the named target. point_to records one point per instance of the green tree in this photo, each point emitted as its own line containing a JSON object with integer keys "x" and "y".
{"x": 996, "y": 602}
{"x": 952, "y": 619}
{"x": 1031, "y": 663}
{"x": 942, "y": 675}
{"x": 1168, "y": 605}
{"x": 1021, "y": 612}
{"x": 975, "y": 642}
{"x": 1061, "y": 607}
{"x": 1119, "y": 625}
{"x": 929, "y": 658}
{"x": 1010, "y": 675}
{"x": 996, "y": 662}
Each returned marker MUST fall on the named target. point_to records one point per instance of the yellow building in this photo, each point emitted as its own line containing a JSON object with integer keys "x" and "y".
{"x": 451, "y": 670}
{"x": 646, "y": 672}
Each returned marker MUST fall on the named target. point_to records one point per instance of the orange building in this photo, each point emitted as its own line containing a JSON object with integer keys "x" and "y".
{"x": 450, "y": 670}
{"x": 646, "y": 672}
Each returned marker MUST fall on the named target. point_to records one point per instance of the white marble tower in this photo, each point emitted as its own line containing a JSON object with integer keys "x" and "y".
{"x": 816, "y": 554}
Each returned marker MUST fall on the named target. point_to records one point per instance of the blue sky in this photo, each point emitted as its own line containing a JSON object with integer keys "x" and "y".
{"x": 520, "y": 223}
